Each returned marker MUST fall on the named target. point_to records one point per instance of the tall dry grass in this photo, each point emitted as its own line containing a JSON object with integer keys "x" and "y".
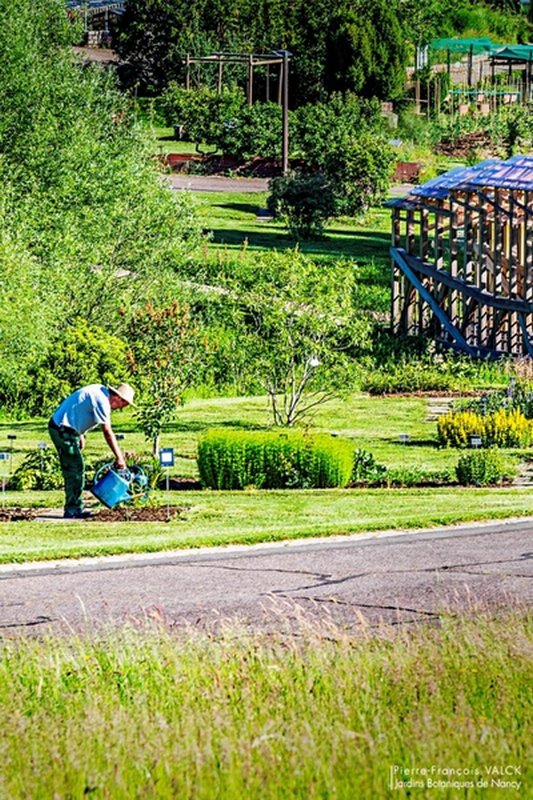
{"x": 313, "y": 711}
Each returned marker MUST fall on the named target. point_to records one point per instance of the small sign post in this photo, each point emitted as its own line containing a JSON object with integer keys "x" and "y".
{"x": 404, "y": 438}
{"x": 166, "y": 459}
{"x": 42, "y": 446}
{"x": 4, "y": 458}
{"x": 11, "y": 437}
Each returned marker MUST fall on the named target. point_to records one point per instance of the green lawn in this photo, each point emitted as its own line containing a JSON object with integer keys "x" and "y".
{"x": 232, "y": 216}
{"x": 238, "y": 233}
{"x": 373, "y": 423}
{"x": 220, "y": 518}
{"x": 210, "y": 518}
{"x": 167, "y": 143}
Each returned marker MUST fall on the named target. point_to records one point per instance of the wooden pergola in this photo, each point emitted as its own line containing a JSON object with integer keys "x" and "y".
{"x": 251, "y": 61}
{"x": 462, "y": 254}
{"x": 248, "y": 60}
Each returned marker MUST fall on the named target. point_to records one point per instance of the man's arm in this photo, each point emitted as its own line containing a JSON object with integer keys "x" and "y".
{"x": 111, "y": 440}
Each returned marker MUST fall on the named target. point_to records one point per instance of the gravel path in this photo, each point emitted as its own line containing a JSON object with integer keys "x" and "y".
{"x": 218, "y": 183}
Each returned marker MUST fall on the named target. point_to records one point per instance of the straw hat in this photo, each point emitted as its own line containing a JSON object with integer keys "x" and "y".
{"x": 125, "y": 391}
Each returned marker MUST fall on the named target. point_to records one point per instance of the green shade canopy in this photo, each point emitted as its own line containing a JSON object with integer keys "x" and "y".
{"x": 480, "y": 45}
{"x": 514, "y": 52}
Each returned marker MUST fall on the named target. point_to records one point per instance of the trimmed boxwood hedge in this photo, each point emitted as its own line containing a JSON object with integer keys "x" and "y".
{"x": 272, "y": 460}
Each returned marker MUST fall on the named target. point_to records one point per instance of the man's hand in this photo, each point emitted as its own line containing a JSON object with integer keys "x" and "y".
{"x": 121, "y": 464}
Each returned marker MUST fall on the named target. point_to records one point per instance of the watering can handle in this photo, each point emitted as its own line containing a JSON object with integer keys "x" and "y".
{"x": 124, "y": 473}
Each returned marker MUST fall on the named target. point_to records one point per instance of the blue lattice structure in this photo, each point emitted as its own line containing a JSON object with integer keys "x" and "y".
{"x": 462, "y": 250}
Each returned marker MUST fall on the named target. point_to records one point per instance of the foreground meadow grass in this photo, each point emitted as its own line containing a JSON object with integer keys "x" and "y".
{"x": 157, "y": 713}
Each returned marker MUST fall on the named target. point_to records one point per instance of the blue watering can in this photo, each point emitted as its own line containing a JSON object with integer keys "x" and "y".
{"x": 119, "y": 486}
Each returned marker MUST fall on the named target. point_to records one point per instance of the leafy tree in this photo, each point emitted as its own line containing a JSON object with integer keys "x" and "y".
{"x": 366, "y": 51}
{"x": 78, "y": 355}
{"x": 224, "y": 121}
{"x": 360, "y": 173}
{"x": 300, "y": 322}
{"x": 88, "y": 225}
{"x": 345, "y": 140}
{"x": 318, "y": 127}
{"x": 166, "y": 353}
{"x": 424, "y": 20}
{"x": 23, "y": 332}
{"x": 207, "y": 115}
{"x": 147, "y": 41}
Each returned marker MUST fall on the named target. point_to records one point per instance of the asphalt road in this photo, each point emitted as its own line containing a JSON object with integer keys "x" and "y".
{"x": 353, "y": 581}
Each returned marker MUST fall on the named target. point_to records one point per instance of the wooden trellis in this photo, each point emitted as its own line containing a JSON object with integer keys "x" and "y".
{"x": 462, "y": 250}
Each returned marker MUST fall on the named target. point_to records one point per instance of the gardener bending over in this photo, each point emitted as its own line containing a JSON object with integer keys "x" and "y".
{"x": 80, "y": 412}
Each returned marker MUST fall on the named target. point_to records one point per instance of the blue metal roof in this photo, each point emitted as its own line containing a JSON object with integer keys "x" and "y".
{"x": 94, "y": 5}
{"x": 441, "y": 185}
{"x": 514, "y": 173}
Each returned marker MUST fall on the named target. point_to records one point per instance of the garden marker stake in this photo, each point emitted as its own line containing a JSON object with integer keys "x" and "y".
{"x": 166, "y": 459}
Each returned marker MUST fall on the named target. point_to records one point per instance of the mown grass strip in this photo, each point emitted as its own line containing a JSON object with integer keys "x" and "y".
{"x": 220, "y": 518}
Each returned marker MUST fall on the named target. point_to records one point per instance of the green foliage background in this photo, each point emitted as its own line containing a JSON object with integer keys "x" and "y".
{"x": 88, "y": 226}
{"x": 361, "y": 46}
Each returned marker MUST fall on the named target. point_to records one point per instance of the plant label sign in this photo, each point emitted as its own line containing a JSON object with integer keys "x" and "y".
{"x": 166, "y": 457}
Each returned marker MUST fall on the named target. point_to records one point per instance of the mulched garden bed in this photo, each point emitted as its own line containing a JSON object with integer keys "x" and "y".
{"x": 143, "y": 514}
{"x": 17, "y": 514}
{"x": 119, "y": 514}
{"x": 463, "y": 145}
{"x": 181, "y": 485}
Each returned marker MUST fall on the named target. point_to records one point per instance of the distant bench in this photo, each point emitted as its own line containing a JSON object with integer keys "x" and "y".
{"x": 179, "y": 161}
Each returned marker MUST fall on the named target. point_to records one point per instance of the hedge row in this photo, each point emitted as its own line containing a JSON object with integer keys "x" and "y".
{"x": 271, "y": 460}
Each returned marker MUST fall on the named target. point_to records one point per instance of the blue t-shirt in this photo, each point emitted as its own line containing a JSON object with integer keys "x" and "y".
{"x": 85, "y": 409}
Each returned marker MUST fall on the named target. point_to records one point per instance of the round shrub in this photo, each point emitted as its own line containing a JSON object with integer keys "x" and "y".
{"x": 482, "y": 468}
{"x": 303, "y": 202}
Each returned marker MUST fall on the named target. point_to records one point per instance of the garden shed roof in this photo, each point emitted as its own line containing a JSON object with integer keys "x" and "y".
{"x": 93, "y": 6}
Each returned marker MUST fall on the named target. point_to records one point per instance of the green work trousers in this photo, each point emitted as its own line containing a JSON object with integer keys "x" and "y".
{"x": 67, "y": 444}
